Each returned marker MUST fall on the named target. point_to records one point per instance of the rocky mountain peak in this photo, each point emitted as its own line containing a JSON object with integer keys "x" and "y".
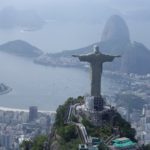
{"x": 115, "y": 30}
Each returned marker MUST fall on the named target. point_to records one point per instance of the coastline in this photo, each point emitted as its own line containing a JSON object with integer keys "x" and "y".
{"x": 22, "y": 110}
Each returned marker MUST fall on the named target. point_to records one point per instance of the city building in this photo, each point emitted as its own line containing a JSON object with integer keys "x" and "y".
{"x": 15, "y": 127}
{"x": 33, "y": 113}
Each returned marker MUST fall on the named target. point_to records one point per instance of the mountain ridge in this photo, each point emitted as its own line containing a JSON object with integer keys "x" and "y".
{"x": 20, "y": 48}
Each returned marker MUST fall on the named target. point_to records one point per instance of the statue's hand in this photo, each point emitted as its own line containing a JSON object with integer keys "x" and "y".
{"x": 75, "y": 56}
{"x": 118, "y": 56}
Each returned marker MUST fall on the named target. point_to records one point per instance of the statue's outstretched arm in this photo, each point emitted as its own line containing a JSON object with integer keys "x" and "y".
{"x": 118, "y": 56}
{"x": 75, "y": 56}
{"x": 109, "y": 58}
{"x": 83, "y": 57}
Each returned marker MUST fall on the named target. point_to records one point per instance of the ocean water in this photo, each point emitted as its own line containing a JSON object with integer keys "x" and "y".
{"x": 45, "y": 87}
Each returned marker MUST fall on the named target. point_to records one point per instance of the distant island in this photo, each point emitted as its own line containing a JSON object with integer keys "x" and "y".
{"x": 115, "y": 40}
{"x": 21, "y": 48}
{"x": 4, "y": 89}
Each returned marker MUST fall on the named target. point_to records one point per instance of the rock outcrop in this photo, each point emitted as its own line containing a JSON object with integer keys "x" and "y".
{"x": 115, "y": 31}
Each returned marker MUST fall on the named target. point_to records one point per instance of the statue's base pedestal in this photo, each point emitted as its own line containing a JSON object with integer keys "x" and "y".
{"x": 94, "y": 103}
{"x": 96, "y": 112}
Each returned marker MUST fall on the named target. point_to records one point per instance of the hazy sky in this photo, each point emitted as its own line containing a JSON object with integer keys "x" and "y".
{"x": 76, "y": 23}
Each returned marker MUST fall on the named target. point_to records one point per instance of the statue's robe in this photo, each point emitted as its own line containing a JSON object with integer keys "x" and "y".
{"x": 96, "y": 61}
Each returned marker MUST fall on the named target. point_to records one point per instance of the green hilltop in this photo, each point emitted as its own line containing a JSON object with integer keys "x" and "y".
{"x": 65, "y": 136}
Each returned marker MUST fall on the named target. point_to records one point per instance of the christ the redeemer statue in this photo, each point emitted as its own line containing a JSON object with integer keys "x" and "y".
{"x": 96, "y": 60}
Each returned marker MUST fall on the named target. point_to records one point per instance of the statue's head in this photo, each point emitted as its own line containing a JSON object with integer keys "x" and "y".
{"x": 96, "y": 49}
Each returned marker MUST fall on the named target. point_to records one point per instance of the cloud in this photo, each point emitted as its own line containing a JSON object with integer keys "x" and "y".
{"x": 129, "y": 4}
{"x": 138, "y": 15}
{"x": 91, "y": 11}
{"x": 12, "y": 18}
